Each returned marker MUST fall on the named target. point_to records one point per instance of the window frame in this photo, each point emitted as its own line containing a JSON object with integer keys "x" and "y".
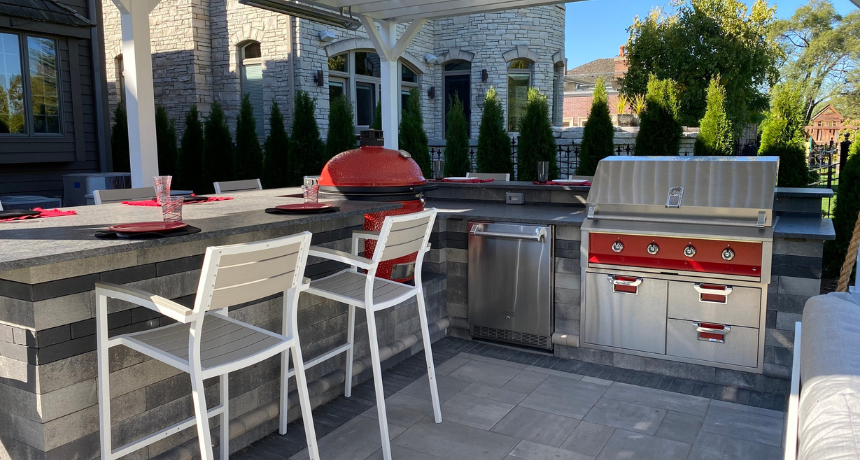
{"x": 529, "y": 72}
{"x": 455, "y": 73}
{"x": 24, "y": 55}
{"x": 243, "y": 62}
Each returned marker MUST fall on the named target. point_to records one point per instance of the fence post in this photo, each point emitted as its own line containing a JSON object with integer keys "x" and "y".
{"x": 844, "y": 147}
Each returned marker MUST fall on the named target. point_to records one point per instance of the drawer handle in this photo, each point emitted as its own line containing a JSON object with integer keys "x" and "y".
{"x": 713, "y": 333}
{"x": 712, "y": 293}
{"x": 625, "y": 284}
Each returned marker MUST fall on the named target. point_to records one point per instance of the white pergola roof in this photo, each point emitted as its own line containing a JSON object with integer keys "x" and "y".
{"x": 408, "y": 10}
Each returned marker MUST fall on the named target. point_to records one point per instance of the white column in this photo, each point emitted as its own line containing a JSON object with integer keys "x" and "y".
{"x": 139, "y": 93}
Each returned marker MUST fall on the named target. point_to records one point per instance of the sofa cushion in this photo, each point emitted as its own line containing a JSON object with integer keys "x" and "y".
{"x": 829, "y": 412}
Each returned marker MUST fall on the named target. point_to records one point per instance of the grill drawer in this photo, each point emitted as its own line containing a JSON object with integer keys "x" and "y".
{"x": 740, "y": 345}
{"x": 741, "y": 307}
{"x": 624, "y": 315}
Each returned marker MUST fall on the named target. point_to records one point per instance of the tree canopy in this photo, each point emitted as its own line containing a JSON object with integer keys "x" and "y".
{"x": 715, "y": 135}
{"x": 412, "y": 136}
{"x": 247, "y": 156}
{"x": 782, "y": 135}
{"x": 494, "y": 145}
{"x": 457, "y": 162}
{"x": 698, "y": 40}
{"x": 536, "y": 142}
{"x": 599, "y": 135}
{"x": 341, "y": 128}
{"x": 659, "y": 129}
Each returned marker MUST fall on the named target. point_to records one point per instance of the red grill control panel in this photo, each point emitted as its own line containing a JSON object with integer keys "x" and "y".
{"x": 678, "y": 254}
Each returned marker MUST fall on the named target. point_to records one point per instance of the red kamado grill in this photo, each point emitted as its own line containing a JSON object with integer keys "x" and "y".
{"x": 374, "y": 173}
{"x": 676, "y": 258}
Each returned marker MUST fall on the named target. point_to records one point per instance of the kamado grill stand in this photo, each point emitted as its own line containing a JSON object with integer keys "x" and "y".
{"x": 374, "y": 173}
{"x": 676, "y": 257}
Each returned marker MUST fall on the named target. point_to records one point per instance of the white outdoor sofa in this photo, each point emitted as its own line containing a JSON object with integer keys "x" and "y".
{"x": 823, "y": 420}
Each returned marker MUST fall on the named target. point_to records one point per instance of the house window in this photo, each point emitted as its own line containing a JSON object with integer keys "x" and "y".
{"x": 252, "y": 82}
{"x": 519, "y": 81}
{"x": 29, "y": 86}
{"x": 458, "y": 80}
{"x": 356, "y": 75}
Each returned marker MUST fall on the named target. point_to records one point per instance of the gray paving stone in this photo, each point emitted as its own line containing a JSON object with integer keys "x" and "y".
{"x": 597, "y": 381}
{"x": 560, "y": 396}
{"x": 534, "y": 451}
{"x": 750, "y": 409}
{"x": 494, "y": 375}
{"x": 693, "y": 405}
{"x": 533, "y": 425}
{"x": 553, "y": 372}
{"x": 500, "y": 362}
{"x": 447, "y": 387}
{"x": 710, "y": 446}
{"x": 473, "y": 411}
{"x": 357, "y": 438}
{"x": 450, "y": 366}
{"x": 679, "y": 427}
{"x": 588, "y": 438}
{"x": 493, "y": 393}
{"x": 525, "y": 382}
{"x": 743, "y": 425}
{"x": 402, "y": 453}
{"x": 402, "y": 410}
{"x": 627, "y": 445}
{"x": 626, "y": 415}
{"x": 454, "y": 441}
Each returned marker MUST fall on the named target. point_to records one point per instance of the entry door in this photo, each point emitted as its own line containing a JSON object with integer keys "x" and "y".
{"x": 462, "y": 85}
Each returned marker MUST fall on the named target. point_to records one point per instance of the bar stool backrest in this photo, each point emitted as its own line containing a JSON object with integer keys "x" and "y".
{"x": 243, "y": 273}
{"x": 495, "y": 176}
{"x": 123, "y": 194}
{"x": 404, "y": 235}
{"x": 238, "y": 186}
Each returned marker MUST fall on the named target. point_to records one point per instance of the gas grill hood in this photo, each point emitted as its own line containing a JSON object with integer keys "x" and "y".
{"x": 717, "y": 191}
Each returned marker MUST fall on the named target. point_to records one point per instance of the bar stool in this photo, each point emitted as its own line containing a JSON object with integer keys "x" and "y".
{"x": 237, "y": 186}
{"x": 205, "y": 342}
{"x": 400, "y": 236}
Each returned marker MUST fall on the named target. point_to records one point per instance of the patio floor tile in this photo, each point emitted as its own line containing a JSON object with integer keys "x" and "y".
{"x": 627, "y": 445}
{"x": 533, "y": 425}
{"x": 446, "y": 385}
{"x": 588, "y": 438}
{"x": 450, "y": 366}
{"x": 491, "y": 374}
{"x": 679, "y": 427}
{"x": 496, "y": 394}
{"x": 710, "y": 446}
{"x": 454, "y": 441}
{"x": 357, "y": 438}
{"x": 534, "y": 451}
{"x": 570, "y": 398}
{"x": 553, "y": 372}
{"x": 741, "y": 424}
{"x": 473, "y": 411}
{"x": 402, "y": 410}
{"x": 687, "y": 404}
{"x": 626, "y": 415}
{"x": 525, "y": 382}
{"x": 402, "y": 453}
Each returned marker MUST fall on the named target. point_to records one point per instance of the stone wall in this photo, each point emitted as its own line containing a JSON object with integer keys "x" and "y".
{"x": 623, "y": 137}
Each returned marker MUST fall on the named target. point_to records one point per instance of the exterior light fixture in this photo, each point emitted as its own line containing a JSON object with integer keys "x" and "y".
{"x": 319, "y": 79}
{"x": 431, "y": 93}
{"x": 431, "y": 58}
{"x": 485, "y": 76}
{"x": 327, "y": 35}
{"x": 304, "y": 11}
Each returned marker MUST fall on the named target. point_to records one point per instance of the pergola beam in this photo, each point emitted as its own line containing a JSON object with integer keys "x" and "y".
{"x": 406, "y": 10}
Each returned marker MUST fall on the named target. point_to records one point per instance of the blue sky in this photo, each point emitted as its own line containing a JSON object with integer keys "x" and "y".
{"x": 596, "y": 28}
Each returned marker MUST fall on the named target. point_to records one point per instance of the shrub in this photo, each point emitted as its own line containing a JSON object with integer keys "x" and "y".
{"x": 536, "y": 142}
{"x": 598, "y": 135}
{"x": 247, "y": 156}
{"x": 412, "y": 137}
{"x": 659, "y": 129}
{"x": 217, "y": 149}
{"x": 377, "y": 117}
{"x": 457, "y": 162}
{"x": 783, "y": 135}
{"x": 189, "y": 174}
{"x": 306, "y": 149}
{"x": 341, "y": 128}
{"x": 119, "y": 140}
{"x": 715, "y": 129}
{"x": 494, "y": 145}
{"x": 845, "y": 213}
{"x": 165, "y": 136}
{"x": 276, "y": 167}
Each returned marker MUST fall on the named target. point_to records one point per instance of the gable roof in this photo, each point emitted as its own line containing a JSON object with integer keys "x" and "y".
{"x": 825, "y": 110}
{"x": 49, "y": 11}
{"x": 589, "y": 72}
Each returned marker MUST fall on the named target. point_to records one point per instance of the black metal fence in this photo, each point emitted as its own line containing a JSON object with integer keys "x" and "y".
{"x": 825, "y": 162}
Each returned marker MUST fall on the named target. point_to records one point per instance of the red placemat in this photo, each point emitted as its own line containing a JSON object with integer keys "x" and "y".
{"x": 43, "y": 213}
{"x": 468, "y": 181}
{"x": 584, "y": 184}
{"x": 154, "y": 203}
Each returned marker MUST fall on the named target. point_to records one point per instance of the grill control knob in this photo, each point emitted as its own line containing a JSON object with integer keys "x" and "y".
{"x": 690, "y": 251}
{"x": 618, "y": 246}
{"x": 728, "y": 254}
{"x": 653, "y": 248}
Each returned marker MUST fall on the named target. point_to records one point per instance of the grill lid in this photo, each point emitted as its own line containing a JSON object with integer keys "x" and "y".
{"x": 371, "y": 166}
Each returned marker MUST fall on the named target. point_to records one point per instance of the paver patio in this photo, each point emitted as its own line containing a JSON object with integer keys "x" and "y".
{"x": 501, "y": 409}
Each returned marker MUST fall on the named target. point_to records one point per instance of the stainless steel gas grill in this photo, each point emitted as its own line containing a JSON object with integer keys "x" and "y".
{"x": 676, "y": 255}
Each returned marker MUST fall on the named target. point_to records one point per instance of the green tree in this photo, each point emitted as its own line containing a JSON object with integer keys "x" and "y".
{"x": 119, "y": 140}
{"x": 494, "y": 145}
{"x": 821, "y": 48}
{"x": 845, "y": 213}
{"x": 165, "y": 135}
{"x": 783, "y": 135}
{"x": 659, "y": 129}
{"x": 412, "y": 137}
{"x": 598, "y": 136}
{"x": 377, "y": 117}
{"x": 307, "y": 150}
{"x": 188, "y": 166}
{"x": 715, "y": 135}
{"x": 276, "y": 167}
{"x": 701, "y": 39}
{"x": 247, "y": 156}
{"x": 341, "y": 128}
{"x": 217, "y": 149}
{"x": 536, "y": 142}
{"x": 457, "y": 162}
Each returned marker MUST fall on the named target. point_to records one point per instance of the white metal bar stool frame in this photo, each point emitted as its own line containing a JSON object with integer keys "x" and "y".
{"x": 231, "y": 275}
{"x": 237, "y": 186}
{"x": 399, "y": 236}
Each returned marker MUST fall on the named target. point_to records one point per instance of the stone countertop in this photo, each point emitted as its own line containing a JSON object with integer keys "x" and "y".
{"x": 804, "y": 227}
{"x": 515, "y": 185}
{"x": 32, "y": 242}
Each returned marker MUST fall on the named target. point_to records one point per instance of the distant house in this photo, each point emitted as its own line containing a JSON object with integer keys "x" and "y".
{"x": 52, "y": 94}
{"x": 579, "y": 85}
{"x": 826, "y": 126}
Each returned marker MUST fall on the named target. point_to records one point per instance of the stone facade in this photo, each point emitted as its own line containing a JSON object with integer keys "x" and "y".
{"x": 196, "y": 47}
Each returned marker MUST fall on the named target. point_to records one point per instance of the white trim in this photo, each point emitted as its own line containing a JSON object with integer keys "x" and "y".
{"x": 791, "y": 417}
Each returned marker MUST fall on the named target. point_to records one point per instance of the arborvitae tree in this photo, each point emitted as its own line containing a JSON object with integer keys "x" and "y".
{"x": 457, "y": 162}
{"x": 845, "y": 213}
{"x": 494, "y": 145}
{"x": 598, "y": 137}
{"x": 306, "y": 149}
{"x": 377, "y": 117}
{"x": 783, "y": 135}
{"x": 536, "y": 142}
{"x": 119, "y": 140}
{"x": 659, "y": 128}
{"x": 276, "y": 167}
{"x": 190, "y": 162}
{"x": 412, "y": 137}
{"x": 165, "y": 135}
{"x": 341, "y": 127}
{"x": 715, "y": 133}
{"x": 247, "y": 156}
{"x": 218, "y": 149}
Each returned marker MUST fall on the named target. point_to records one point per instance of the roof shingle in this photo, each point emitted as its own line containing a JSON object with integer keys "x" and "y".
{"x": 49, "y": 11}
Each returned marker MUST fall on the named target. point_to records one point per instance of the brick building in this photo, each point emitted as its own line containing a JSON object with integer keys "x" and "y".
{"x": 579, "y": 85}
{"x": 827, "y": 125}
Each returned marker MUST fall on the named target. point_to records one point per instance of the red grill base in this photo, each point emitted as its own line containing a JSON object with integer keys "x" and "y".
{"x": 373, "y": 222}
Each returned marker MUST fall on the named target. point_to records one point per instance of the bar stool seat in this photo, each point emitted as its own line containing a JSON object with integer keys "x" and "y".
{"x": 348, "y": 287}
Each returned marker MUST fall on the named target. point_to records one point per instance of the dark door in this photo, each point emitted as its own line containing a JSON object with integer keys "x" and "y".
{"x": 460, "y": 84}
